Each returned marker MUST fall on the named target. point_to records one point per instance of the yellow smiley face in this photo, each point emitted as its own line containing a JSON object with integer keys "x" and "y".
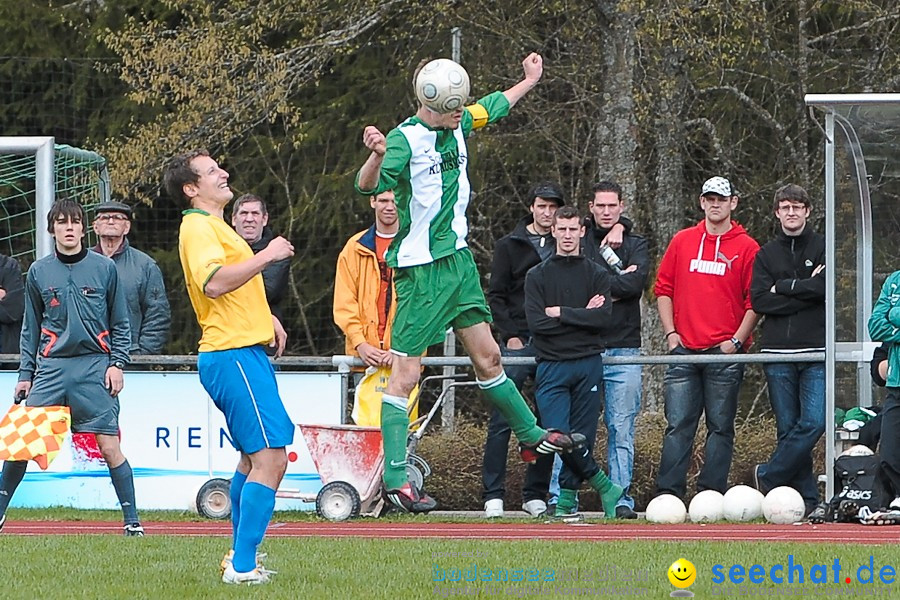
{"x": 682, "y": 573}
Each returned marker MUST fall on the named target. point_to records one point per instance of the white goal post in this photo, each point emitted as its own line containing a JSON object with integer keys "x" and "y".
{"x": 45, "y": 189}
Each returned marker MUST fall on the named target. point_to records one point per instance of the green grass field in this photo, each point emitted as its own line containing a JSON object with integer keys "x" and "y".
{"x": 105, "y": 566}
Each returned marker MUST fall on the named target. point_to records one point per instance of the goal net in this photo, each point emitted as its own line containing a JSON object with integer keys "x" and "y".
{"x": 33, "y": 173}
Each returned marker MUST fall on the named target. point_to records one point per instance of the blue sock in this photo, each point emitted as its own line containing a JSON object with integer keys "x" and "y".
{"x": 237, "y": 484}
{"x": 123, "y": 481}
{"x": 258, "y": 502}
{"x": 13, "y": 472}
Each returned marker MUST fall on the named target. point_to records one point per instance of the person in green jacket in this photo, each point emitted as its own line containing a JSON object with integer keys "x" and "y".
{"x": 884, "y": 326}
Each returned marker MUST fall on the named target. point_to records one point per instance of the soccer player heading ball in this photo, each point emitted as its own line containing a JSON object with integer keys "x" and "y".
{"x": 424, "y": 160}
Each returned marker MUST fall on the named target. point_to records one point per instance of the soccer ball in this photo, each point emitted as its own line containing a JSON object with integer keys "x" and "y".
{"x": 706, "y": 507}
{"x": 442, "y": 85}
{"x": 666, "y": 508}
{"x": 858, "y": 450}
{"x": 742, "y": 503}
{"x": 783, "y": 505}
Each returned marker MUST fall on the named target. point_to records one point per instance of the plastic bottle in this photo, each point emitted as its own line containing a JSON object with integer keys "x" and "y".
{"x": 612, "y": 259}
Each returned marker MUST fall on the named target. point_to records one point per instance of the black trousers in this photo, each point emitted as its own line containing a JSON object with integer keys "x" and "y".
{"x": 890, "y": 441}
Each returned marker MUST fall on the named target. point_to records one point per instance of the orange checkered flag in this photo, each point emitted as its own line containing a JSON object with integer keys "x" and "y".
{"x": 34, "y": 433}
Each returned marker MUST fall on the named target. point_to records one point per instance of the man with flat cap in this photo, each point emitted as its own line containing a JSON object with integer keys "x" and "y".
{"x": 148, "y": 306}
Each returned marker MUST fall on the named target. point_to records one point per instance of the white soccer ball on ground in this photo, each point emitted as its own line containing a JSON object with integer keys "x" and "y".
{"x": 783, "y": 505}
{"x": 666, "y": 508}
{"x": 442, "y": 85}
{"x": 857, "y": 450}
{"x": 707, "y": 507}
{"x": 742, "y": 503}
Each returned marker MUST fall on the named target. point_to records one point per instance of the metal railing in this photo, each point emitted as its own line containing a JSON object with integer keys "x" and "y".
{"x": 344, "y": 364}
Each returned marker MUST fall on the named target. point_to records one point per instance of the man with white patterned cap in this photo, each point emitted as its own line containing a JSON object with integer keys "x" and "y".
{"x": 703, "y": 292}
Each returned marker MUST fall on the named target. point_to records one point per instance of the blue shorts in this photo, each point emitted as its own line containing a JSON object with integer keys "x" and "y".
{"x": 241, "y": 383}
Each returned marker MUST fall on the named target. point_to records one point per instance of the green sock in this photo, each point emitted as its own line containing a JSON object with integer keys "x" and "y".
{"x": 609, "y": 493}
{"x": 394, "y": 426}
{"x": 566, "y": 503}
{"x": 507, "y": 399}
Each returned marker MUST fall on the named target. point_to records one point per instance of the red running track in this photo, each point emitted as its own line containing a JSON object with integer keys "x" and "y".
{"x": 598, "y": 532}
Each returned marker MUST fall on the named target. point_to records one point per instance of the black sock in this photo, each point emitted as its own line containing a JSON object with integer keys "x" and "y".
{"x": 13, "y": 472}
{"x": 123, "y": 481}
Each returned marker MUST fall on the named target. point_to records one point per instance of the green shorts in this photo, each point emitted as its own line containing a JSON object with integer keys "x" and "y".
{"x": 77, "y": 382}
{"x": 434, "y": 297}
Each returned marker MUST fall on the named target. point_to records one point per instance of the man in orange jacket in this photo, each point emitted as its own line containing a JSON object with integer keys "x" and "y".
{"x": 363, "y": 287}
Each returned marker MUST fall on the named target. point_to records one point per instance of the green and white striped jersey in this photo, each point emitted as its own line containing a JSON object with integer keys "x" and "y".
{"x": 426, "y": 168}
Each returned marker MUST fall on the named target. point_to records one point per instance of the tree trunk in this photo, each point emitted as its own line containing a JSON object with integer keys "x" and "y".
{"x": 616, "y": 125}
{"x": 669, "y": 201}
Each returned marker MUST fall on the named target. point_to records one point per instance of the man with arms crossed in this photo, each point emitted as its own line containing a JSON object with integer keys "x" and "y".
{"x": 226, "y": 290}
{"x": 566, "y": 306}
{"x": 424, "y": 160}
{"x": 530, "y": 243}
{"x": 789, "y": 290}
{"x": 622, "y": 335}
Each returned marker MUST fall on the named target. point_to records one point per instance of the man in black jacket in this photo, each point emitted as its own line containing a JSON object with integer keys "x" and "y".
{"x": 628, "y": 267}
{"x": 789, "y": 289}
{"x": 250, "y": 218}
{"x": 529, "y": 244}
{"x": 567, "y": 309}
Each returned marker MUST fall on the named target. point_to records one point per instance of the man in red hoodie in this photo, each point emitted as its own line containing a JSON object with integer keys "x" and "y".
{"x": 703, "y": 292}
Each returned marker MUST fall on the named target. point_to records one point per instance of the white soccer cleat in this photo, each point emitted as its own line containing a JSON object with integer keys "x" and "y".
{"x": 254, "y": 577}
{"x": 493, "y": 508}
{"x": 229, "y": 557}
{"x": 535, "y": 508}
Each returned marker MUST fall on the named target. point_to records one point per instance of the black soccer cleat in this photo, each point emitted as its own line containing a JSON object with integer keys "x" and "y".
{"x": 410, "y": 499}
{"x": 133, "y": 530}
{"x": 553, "y": 441}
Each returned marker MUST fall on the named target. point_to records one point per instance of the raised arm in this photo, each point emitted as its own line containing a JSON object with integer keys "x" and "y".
{"x": 370, "y": 172}
{"x": 533, "y": 65}
{"x": 389, "y": 158}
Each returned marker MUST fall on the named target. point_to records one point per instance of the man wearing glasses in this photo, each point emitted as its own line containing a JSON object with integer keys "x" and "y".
{"x": 789, "y": 290}
{"x": 139, "y": 275}
{"x": 703, "y": 292}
